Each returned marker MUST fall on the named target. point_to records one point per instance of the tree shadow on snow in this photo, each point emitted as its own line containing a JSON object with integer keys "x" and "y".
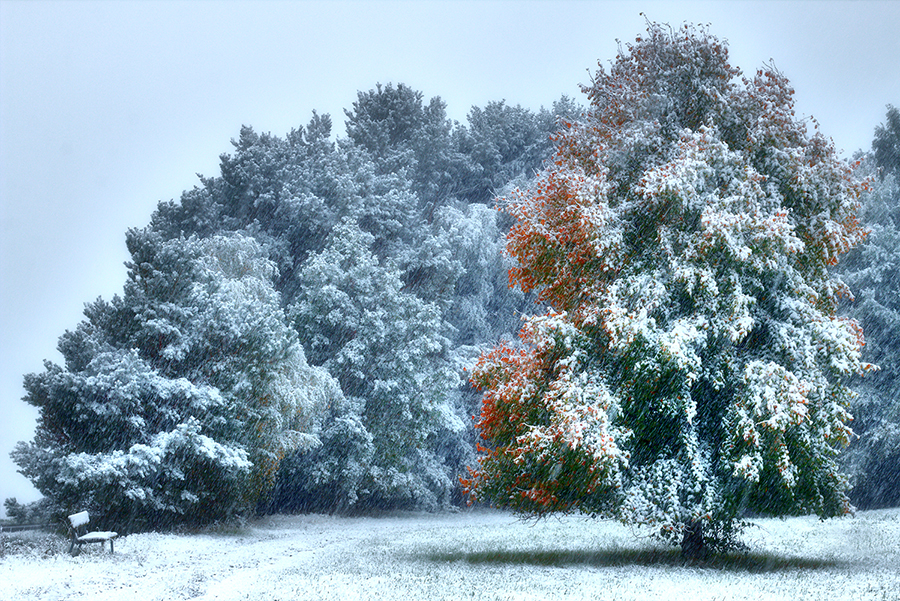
{"x": 623, "y": 557}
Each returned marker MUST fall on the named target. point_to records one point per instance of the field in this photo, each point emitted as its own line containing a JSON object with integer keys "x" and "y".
{"x": 470, "y": 555}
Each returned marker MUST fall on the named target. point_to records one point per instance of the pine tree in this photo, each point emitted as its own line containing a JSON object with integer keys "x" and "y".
{"x": 385, "y": 347}
{"x": 403, "y": 134}
{"x": 872, "y": 271}
{"x": 691, "y": 366}
{"x": 886, "y": 145}
{"x": 177, "y": 400}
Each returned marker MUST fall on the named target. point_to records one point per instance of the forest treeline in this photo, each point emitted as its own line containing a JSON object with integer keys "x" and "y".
{"x": 294, "y": 332}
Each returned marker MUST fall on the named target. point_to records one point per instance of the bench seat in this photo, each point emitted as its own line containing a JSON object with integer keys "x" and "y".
{"x": 78, "y": 520}
{"x": 97, "y": 537}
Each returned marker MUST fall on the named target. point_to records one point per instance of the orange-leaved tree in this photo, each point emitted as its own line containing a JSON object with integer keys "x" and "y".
{"x": 690, "y": 367}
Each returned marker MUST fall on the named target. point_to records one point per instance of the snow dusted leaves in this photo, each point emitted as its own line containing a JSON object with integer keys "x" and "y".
{"x": 738, "y": 214}
{"x": 626, "y": 312}
{"x": 563, "y": 238}
{"x": 774, "y": 400}
{"x": 560, "y": 433}
{"x": 577, "y": 401}
{"x": 683, "y": 237}
{"x": 804, "y": 405}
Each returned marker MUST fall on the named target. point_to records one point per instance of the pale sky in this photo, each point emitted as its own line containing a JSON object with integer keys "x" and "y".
{"x": 107, "y": 108}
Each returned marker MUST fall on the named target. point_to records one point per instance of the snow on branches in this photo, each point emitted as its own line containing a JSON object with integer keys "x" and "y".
{"x": 691, "y": 366}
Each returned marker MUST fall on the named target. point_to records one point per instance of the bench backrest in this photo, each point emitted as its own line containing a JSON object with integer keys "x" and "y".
{"x": 79, "y": 519}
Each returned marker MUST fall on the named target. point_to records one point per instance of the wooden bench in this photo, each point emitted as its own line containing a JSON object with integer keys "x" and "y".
{"x": 77, "y": 537}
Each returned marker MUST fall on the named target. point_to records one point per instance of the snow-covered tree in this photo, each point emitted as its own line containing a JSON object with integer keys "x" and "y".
{"x": 403, "y": 134}
{"x": 886, "y": 145}
{"x": 872, "y": 271}
{"x": 385, "y": 347}
{"x": 286, "y": 192}
{"x": 502, "y": 143}
{"x": 483, "y": 308}
{"x": 178, "y": 399}
{"x": 691, "y": 366}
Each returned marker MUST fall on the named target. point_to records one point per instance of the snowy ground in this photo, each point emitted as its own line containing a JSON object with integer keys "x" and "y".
{"x": 471, "y": 555}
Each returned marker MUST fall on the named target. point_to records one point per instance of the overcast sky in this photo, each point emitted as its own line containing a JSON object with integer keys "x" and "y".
{"x": 107, "y": 108}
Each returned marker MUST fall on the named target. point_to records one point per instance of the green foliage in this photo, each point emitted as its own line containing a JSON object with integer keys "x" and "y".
{"x": 873, "y": 272}
{"x": 385, "y": 348}
{"x": 37, "y": 512}
{"x": 886, "y": 145}
{"x": 691, "y": 367}
{"x": 178, "y": 399}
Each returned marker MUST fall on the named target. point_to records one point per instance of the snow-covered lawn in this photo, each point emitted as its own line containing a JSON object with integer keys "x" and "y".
{"x": 471, "y": 555}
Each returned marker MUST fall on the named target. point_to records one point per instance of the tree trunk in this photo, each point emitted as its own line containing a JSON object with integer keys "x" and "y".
{"x": 693, "y": 545}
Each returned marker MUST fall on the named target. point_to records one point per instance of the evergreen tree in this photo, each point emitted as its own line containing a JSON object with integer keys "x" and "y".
{"x": 886, "y": 146}
{"x": 178, "y": 399}
{"x": 483, "y": 307}
{"x": 403, "y": 134}
{"x": 286, "y": 192}
{"x": 691, "y": 365}
{"x": 504, "y": 143}
{"x": 385, "y": 347}
{"x": 872, "y": 271}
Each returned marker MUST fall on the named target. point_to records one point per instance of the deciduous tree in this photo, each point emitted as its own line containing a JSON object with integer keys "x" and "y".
{"x": 691, "y": 365}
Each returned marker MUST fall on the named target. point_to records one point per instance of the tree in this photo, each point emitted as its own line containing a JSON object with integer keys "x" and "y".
{"x": 504, "y": 143}
{"x": 483, "y": 307}
{"x": 691, "y": 366}
{"x": 872, "y": 271}
{"x": 177, "y": 400}
{"x": 286, "y": 192}
{"x": 886, "y": 145}
{"x": 385, "y": 347}
{"x": 403, "y": 134}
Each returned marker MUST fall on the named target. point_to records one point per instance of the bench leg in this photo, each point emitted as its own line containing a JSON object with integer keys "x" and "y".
{"x": 111, "y": 548}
